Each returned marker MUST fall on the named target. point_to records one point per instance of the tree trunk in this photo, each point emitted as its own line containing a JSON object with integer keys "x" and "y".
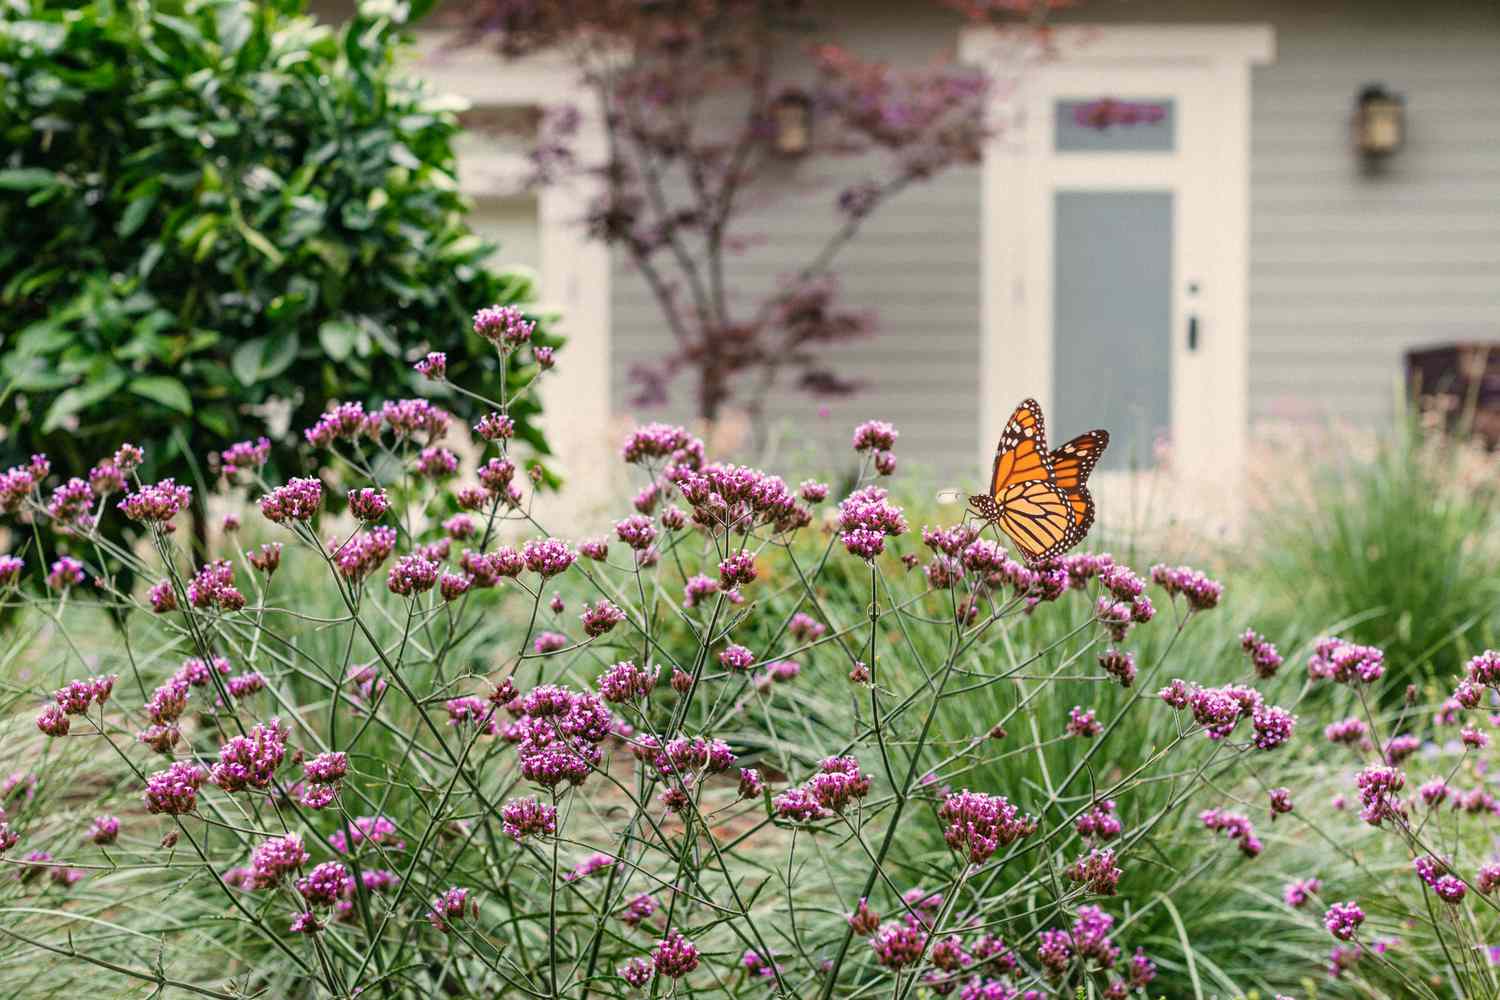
{"x": 710, "y": 392}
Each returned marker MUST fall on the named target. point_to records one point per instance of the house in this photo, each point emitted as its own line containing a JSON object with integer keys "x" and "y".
{"x": 1223, "y": 260}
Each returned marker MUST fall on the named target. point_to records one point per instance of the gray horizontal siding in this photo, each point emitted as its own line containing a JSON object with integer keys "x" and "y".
{"x": 1349, "y": 270}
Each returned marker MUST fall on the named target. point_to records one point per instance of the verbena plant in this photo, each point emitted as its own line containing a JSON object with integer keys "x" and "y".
{"x": 762, "y": 745}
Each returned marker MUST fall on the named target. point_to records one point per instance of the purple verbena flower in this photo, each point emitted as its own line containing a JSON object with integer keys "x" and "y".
{"x": 1343, "y": 920}
{"x": 298, "y": 500}
{"x": 157, "y": 502}
{"x": 875, "y": 435}
{"x": 527, "y": 817}
{"x": 175, "y": 790}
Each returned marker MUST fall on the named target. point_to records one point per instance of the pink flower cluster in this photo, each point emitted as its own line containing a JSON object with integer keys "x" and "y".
{"x": 363, "y": 554}
{"x": 1264, "y": 656}
{"x": 213, "y": 587}
{"x": 20, "y": 481}
{"x": 898, "y": 945}
{"x": 1219, "y": 711}
{"x": 10, "y": 569}
{"x": 658, "y": 441}
{"x": 1236, "y": 827}
{"x": 1444, "y": 884}
{"x": 1200, "y": 592}
{"x": 837, "y": 783}
{"x": 674, "y": 956}
{"x": 243, "y": 455}
{"x": 495, "y": 427}
{"x": 547, "y": 557}
{"x": 250, "y": 761}
{"x": 104, "y": 830}
{"x": 411, "y": 418}
{"x": 297, "y": 500}
{"x": 733, "y": 497}
{"x": 1351, "y": 731}
{"x": 74, "y": 698}
{"x": 267, "y": 558}
{"x": 436, "y": 463}
{"x": 158, "y": 502}
{"x": 175, "y": 790}
{"x": 875, "y": 435}
{"x": 557, "y": 734}
{"x": 322, "y": 778}
{"x": 65, "y": 572}
{"x": 977, "y": 824}
{"x": 1099, "y": 822}
{"x": 1096, "y": 871}
{"x": 377, "y": 830}
{"x": 450, "y": 906}
{"x": 412, "y": 574}
{"x": 1298, "y": 893}
{"x": 343, "y": 422}
{"x": 595, "y": 862}
{"x": 526, "y": 817}
{"x": 433, "y": 366}
{"x": 368, "y": 504}
{"x": 600, "y": 618}
{"x": 1379, "y": 788}
{"x": 325, "y": 884}
{"x": 1343, "y": 920}
{"x": 505, "y": 326}
{"x": 624, "y": 682}
{"x": 804, "y": 627}
{"x": 1345, "y": 662}
{"x": 69, "y": 504}
{"x": 866, "y": 519}
{"x": 1082, "y": 723}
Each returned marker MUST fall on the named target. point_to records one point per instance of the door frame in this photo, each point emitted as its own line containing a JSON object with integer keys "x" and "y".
{"x": 1016, "y": 202}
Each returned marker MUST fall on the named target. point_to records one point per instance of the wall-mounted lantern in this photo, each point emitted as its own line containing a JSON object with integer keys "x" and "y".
{"x": 1379, "y": 121}
{"x": 791, "y": 123}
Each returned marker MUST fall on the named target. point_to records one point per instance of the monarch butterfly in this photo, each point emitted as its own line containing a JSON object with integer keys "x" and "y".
{"x": 1038, "y": 498}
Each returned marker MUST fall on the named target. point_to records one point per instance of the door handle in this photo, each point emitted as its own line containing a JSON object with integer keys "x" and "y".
{"x": 1192, "y": 332}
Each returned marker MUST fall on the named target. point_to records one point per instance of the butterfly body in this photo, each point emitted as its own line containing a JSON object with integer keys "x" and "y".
{"x": 1040, "y": 499}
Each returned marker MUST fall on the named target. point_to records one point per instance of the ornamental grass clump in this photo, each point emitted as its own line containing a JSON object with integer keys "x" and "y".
{"x": 402, "y": 734}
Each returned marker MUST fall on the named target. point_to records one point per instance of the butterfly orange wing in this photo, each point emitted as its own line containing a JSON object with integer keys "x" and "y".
{"x": 1071, "y": 465}
{"x": 1039, "y": 518}
{"x": 1022, "y": 454}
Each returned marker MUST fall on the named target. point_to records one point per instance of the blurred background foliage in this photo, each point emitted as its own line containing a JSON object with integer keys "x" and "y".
{"x": 214, "y": 206}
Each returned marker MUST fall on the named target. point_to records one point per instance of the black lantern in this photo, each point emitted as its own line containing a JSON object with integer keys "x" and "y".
{"x": 791, "y": 123}
{"x": 1379, "y": 121}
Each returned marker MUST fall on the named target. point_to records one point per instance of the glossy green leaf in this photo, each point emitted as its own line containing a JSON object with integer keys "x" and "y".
{"x": 338, "y": 337}
{"x": 27, "y": 179}
{"x": 81, "y": 397}
{"x": 165, "y": 390}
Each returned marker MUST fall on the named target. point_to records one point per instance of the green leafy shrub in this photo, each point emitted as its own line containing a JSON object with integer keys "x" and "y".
{"x": 209, "y": 206}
